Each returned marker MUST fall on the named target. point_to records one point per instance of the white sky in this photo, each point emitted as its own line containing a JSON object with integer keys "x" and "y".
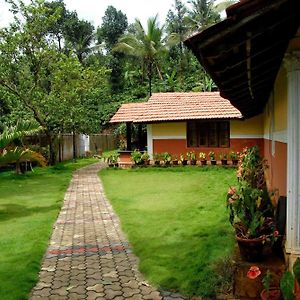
{"x": 93, "y": 10}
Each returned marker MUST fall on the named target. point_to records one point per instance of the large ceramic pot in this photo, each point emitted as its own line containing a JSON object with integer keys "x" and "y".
{"x": 251, "y": 249}
{"x": 273, "y": 294}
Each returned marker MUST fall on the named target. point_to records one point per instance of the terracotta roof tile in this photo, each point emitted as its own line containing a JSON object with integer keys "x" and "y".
{"x": 177, "y": 106}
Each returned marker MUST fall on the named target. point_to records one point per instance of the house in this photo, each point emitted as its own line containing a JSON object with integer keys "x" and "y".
{"x": 254, "y": 58}
{"x": 196, "y": 121}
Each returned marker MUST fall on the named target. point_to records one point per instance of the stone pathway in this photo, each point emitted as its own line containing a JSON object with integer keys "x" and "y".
{"x": 88, "y": 256}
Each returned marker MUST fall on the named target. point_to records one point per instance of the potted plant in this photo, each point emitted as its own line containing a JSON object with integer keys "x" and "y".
{"x": 202, "y": 157}
{"x": 212, "y": 157}
{"x": 234, "y": 157}
{"x": 223, "y": 158}
{"x": 136, "y": 157}
{"x": 251, "y": 212}
{"x": 289, "y": 283}
{"x": 183, "y": 159}
{"x": 112, "y": 159}
{"x": 192, "y": 157}
{"x": 157, "y": 158}
{"x": 269, "y": 293}
{"x": 175, "y": 160}
{"x": 145, "y": 158}
{"x": 167, "y": 158}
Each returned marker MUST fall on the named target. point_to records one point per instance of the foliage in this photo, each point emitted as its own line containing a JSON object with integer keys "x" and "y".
{"x": 136, "y": 157}
{"x": 146, "y": 45}
{"x": 234, "y": 155}
{"x": 191, "y": 155}
{"x": 166, "y": 157}
{"x": 52, "y": 86}
{"x": 11, "y": 148}
{"x": 157, "y": 156}
{"x": 267, "y": 280}
{"x": 163, "y": 229}
{"x": 212, "y": 155}
{"x": 202, "y": 156}
{"x": 250, "y": 209}
{"x": 223, "y": 156}
{"x": 145, "y": 157}
{"x": 111, "y": 157}
{"x": 287, "y": 282}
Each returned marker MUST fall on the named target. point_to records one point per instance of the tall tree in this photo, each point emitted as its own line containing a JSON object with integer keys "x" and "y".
{"x": 114, "y": 24}
{"x": 147, "y": 45}
{"x": 202, "y": 15}
{"x": 33, "y": 70}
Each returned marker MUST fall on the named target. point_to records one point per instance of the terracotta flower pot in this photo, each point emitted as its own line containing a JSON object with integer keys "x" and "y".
{"x": 224, "y": 162}
{"x": 251, "y": 249}
{"x": 193, "y": 162}
{"x": 203, "y": 162}
{"x": 235, "y": 162}
{"x": 273, "y": 294}
{"x": 184, "y": 162}
{"x": 213, "y": 162}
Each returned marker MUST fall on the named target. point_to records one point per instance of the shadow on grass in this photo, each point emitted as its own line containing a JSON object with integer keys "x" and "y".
{"x": 11, "y": 211}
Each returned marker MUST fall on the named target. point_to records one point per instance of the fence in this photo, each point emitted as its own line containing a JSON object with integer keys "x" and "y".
{"x": 94, "y": 143}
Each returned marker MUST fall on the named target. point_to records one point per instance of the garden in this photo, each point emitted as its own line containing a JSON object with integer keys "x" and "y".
{"x": 29, "y": 205}
{"x": 177, "y": 223}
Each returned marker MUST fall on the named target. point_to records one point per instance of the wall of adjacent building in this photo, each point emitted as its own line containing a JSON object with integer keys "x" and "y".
{"x": 171, "y": 137}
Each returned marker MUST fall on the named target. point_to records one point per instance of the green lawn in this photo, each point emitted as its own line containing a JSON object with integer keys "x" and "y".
{"x": 29, "y": 205}
{"x": 177, "y": 222}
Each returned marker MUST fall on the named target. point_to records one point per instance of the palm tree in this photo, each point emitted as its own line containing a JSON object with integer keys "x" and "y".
{"x": 147, "y": 45}
{"x": 202, "y": 15}
{"x": 10, "y": 153}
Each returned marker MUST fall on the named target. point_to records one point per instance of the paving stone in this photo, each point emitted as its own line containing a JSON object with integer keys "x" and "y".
{"x": 88, "y": 256}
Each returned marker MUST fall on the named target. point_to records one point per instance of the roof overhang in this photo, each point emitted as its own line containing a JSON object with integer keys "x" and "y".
{"x": 244, "y": 52}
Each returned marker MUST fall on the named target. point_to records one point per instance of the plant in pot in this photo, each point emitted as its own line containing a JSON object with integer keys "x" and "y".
{"x": 192, "y": 157}
{"x": 145, "y": 158}
{"x": 183, "y": 159}
{"x": 175, "y": 160}
{"x": 202, "y": 157}
{"x": 223, "y": 158}
{"x": 212, "y": 157}
{"x": 112, "y": 159}
{"x": 136, "y": 157}
{"x": 269, "y": 292}
{"x": 157, "y": 158}
{"x": 251, "y": 212}
{"x": 167, "y": 158}
{"x": 234, "y": 156}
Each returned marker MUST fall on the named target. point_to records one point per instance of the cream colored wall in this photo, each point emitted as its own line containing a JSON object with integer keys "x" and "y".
{"x": 275, "y": 114}
{"x": 248, "y": 128}
{"x": 169, "y": 130}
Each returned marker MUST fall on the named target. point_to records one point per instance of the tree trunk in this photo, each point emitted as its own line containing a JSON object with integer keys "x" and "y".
{"x": 74, "y": 145}
{"x": 52, "y": 154}
{"x": 18, "y": 168}
{"x": 150, "y": 78}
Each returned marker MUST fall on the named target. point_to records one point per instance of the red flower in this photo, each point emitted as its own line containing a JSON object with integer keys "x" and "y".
{"x": 253, "y": 272}
{"x": 276, "y": 233}
{"x": 231, "y": 190}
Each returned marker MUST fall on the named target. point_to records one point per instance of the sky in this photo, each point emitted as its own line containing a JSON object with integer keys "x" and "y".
{"x": 93, "y": 10}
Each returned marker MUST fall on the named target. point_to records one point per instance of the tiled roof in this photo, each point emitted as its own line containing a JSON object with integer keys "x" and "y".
{"x": 177, "y": 106}
{"x": 128, "y": 112}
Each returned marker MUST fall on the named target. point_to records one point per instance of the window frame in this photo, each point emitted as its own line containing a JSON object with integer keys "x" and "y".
{"x": 207, "y": 125}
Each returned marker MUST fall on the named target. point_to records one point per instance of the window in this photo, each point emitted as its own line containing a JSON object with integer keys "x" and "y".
{"x": 208, "y": 134}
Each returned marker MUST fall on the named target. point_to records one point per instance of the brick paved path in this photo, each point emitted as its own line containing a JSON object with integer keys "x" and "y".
{"x": 88, "y": 256}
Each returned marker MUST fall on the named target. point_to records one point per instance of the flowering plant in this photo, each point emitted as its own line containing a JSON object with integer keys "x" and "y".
{"x": 202, "y": 155}
{"x": 250, "y": 209}
{"x": 212, "y": 155}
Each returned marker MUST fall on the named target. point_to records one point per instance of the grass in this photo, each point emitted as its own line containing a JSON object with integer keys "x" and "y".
{"x": 177, "y": 223}
{"x": 29, "y": 205}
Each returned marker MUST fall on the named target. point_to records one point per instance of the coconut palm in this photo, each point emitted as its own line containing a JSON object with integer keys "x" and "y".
{"x": 147, "y": 45}
{"x": 202, "y": 15}
{"x": 11, "y": 153}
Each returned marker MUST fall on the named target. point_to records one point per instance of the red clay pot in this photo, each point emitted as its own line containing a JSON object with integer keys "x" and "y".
{"x": 251, "y": 249}
{"x": 273, "y": 294}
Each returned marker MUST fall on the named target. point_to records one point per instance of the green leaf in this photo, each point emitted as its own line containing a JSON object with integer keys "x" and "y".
{"x": 287, "y": 286}
{"x": 296, "y": 269}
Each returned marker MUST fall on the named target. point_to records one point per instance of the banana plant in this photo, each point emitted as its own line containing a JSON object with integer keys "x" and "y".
{"x": 11, "y": 153}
